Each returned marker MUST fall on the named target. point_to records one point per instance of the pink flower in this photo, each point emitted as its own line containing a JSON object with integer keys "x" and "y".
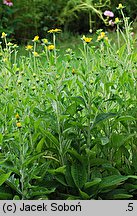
{"x": 111, "y": 23}
{"x": 8, "y": 3}
{"x": 109, "y": 13}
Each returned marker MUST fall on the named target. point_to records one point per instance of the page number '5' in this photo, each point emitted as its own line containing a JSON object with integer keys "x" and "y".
{"x": 130, "y": 206}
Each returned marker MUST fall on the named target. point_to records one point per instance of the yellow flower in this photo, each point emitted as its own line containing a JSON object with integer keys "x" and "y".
{"x": 29, "y": 47}
{"x": 54, "y": 30}
{"x": 51, "y": 47}
{"x": 17, "y": 116}
{"x": 35, "y": 54}
{"x": 86, "y": 39}
{"x": 3, "y": 35}
{"x": 120, "y": 6}
{"x": 45, "y": 41}
{"x": 18, "y": 124}
{"x": 73, "y": 71}
{"x": 36, "y": 38}
{"x": 117, "y": 20}
{"x": 101, "y": 36}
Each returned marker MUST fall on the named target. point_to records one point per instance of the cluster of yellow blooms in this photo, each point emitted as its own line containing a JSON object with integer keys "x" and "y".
{"x": 49, "y": 47}
{"x": 18, "y": 124}
{"x": 102, "y": 36}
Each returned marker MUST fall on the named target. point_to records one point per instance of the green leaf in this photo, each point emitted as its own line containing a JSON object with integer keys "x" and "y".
{"x": 71, "y": 197}
{"x": 122, "y": 196}
{"x": 50, "y": 96}
{"x": 134, "y": 158}
{"x": 60, "y": 178}
{"x": 71, "y": 110}
{"x": 49, "y": 135}
{"x": 40, "y": 145}
{"x": 4, "y": 177}
{"x": 125, "y": 118}
{"x": 103, "y": 116}
{"x": 113, "y": 180}
{"x": 92, "y": 183}
{"x": 14, "y": 184}
{"x": 132, "y": 176}
{"x": 76, "y": 155}
{"x": 124, "y": 151}
{"x": 121, "y": 51}
{"x": 98, "y": 162}
{"x": 16, "y": 197}
{"x": 1, "y": 138}
{"x": 79, "y": 174}
{"x": 38, "y": 191}
{"x": 84, "y": 195}
{"x": 5, "y": 194}
{"x": 31, "y": 158}
{"x": 79, "y": 100}
{"x": 117, "y": 140}
{"x": 58, "y": 170}
{"x": 104, "y": 140}
{"x": 68, "y": 177}
{"x": 110, "y": 169}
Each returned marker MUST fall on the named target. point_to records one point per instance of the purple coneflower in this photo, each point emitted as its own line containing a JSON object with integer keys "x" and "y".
{"x": 109, "y": 13}
{"x": 8, "y": 3}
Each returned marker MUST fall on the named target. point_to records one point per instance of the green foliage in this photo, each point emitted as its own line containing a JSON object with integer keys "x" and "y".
{"x": 89, "y": 8}
{"x": 6, "y": 19}
{"x": 68, "y": 120}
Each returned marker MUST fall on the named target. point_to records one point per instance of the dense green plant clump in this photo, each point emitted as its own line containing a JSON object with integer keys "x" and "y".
{"x": 68, "y": 121}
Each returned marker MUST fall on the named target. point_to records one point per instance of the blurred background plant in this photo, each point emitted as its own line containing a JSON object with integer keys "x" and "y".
{"x": 7, "y": 24}
{"x": 27, "y": 18}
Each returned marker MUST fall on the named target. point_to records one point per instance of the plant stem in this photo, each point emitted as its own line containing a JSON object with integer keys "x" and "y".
{"x": 118, "y": 38}
{"x": 55, "y": 53}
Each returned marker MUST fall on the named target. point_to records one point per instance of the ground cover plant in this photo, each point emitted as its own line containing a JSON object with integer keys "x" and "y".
{"x": 68, "y": 120}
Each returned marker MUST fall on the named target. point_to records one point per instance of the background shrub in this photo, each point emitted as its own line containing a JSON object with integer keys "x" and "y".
{"x": 29, "y": 17}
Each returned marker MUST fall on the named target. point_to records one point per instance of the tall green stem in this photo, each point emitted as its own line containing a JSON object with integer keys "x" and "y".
{"x": 55, "y": 53}
{"x": 118, "y": 38}
{"x": 34, "y": 57}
